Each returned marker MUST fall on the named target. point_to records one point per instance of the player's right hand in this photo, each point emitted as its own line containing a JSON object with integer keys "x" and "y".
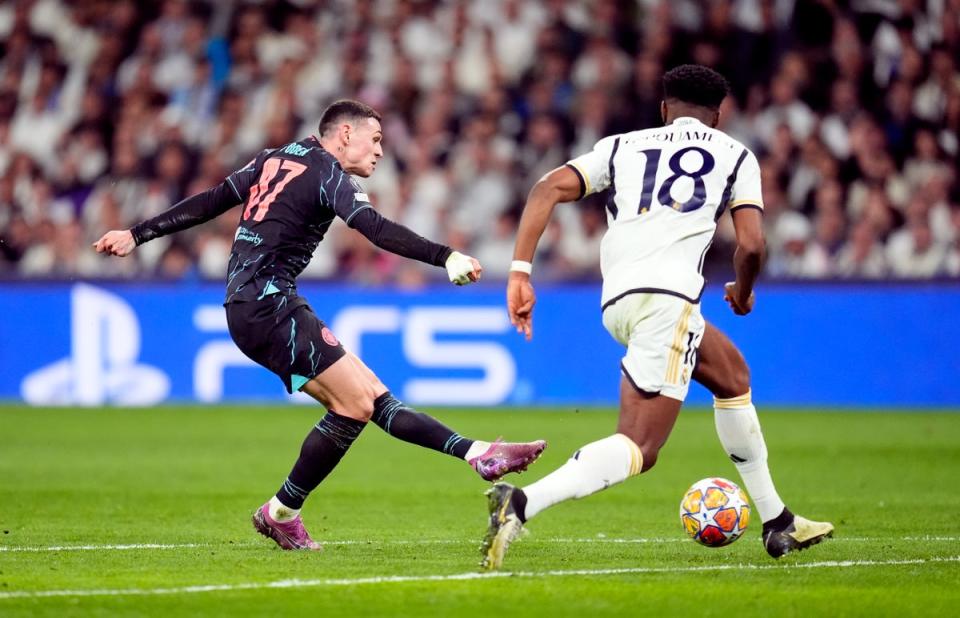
{"x": 462, "y": 269}
{"x": 520, "y": 301}
{"x": 732, "y": 295}
{"x": 116, "y": 242}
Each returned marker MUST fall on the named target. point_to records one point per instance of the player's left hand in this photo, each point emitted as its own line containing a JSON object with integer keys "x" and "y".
{"x": 732, "y": 295}
{"x": 116, "y": 242}
{"x": 463, "y": 269}
{"x": 520, "y": 301}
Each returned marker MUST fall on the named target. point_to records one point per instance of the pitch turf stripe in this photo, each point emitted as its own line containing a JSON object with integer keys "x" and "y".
{"x": 401, "y": 579}
{"x": 637, "y": 541}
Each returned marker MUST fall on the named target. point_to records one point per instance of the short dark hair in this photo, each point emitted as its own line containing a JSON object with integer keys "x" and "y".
{"x": 695, "y": 84}
{"x": 345, "y": 109}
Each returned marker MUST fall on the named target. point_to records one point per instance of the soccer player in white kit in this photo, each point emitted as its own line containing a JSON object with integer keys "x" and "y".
{"x": 667, "y": 188}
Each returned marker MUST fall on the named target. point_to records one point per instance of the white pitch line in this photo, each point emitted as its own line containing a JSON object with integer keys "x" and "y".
{"x": 102, "y": 547}
{"x": 400, "y": 579}
{"x": 637, "y": 541}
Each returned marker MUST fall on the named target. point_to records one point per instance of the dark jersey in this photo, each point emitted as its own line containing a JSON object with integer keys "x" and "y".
{"x": 290, "y": 196}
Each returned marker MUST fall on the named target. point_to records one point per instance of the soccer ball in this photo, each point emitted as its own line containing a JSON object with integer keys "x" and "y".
{"x": 714, "y": 512}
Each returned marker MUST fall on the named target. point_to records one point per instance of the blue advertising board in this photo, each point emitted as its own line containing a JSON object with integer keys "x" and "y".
{"x": 142, "y": 344}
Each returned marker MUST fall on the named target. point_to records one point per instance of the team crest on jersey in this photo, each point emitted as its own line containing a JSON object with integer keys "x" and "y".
{"x": 329, "y": 337}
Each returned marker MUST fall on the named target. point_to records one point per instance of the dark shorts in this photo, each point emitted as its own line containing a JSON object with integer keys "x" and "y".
{"x": 292, "y": 342}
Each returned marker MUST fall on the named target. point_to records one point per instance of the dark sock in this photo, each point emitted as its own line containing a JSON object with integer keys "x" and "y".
{"x": 322, "y": 450}
{"x": 519, "y": 501}
{"x": 417, "y": 428}
{"x": 781, "y": 521}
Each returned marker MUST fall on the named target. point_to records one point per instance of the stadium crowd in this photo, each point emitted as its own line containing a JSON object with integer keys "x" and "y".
{"x": 112, "y": 110}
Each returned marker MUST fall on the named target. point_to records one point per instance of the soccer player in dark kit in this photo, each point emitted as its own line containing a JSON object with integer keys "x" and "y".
{"x": 290, "y": 196}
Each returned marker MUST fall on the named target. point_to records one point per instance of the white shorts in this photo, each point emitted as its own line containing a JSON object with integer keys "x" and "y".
{"x": 662, "y": 334}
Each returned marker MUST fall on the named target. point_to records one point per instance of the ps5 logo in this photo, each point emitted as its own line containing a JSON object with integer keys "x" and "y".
{"x": 102, "y": 366}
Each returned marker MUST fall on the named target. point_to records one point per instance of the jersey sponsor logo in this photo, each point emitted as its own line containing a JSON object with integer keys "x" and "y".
{"x": 248, "y": 236}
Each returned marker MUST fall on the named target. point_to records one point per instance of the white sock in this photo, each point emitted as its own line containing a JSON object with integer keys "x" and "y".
{"x": 280, "y": 512}
{"x": 742, "y": 439}
{"x": 479, "y": 447}
{"x": 594, "y": 467}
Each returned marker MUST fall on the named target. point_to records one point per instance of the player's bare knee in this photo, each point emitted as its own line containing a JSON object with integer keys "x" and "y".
{"x": 740, "y": 377}
{"x": 648, "y": 448}
{"x": 377, "y": 387}
{"x": 650, "y": 454}
{"x": 736, "y": 380}
{"x": 360, "y": 408}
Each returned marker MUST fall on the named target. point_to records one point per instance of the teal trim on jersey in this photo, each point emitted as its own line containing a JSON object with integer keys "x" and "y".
{"x": 313, "y": 361}
{"x": 270, "y": 289}
{"x": 354, "y": 213}
{"x": 297, "y": 381}
{"x": 234, "y": 187}
{"x": 293, "y": 340}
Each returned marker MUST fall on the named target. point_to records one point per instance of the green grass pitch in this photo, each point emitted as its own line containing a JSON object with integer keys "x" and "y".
{"x": 147, "y": 512}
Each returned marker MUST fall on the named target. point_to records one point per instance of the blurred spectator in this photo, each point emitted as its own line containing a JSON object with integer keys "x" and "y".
{"x": 785, "y": 109}
{"x": 912, "y": 252}
{"x": 176, "y": 263}
{"x": 862, "y": 255}
{"x": 495, "y": 251}
{"x": 801, "y": 256}
{"x": 835, "y": 127}
{"x": 579, "y": 247}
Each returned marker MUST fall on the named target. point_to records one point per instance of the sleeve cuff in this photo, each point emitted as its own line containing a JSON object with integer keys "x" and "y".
{"x": 739, "y": 205}
{"x": 444, "y": 256}
{"x": 583, "y": 182}
{"x": 137, "y": 234}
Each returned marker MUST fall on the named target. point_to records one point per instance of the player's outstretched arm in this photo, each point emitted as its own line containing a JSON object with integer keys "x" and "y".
{"x": 186, "y": 213}
{"x": 747, "y": 259}
{"x": 401, "y": 240}
{"x": 559, "y": 185}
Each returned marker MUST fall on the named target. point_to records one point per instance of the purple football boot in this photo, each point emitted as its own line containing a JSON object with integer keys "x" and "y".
{"x": 505, "y": 457}
{"x": 287, "y": 534}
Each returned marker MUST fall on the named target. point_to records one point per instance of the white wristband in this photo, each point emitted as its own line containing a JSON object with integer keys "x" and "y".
{"x": 521, "y": 267}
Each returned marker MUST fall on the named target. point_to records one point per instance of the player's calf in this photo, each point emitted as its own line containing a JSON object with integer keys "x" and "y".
{"x": 720, "y": 367}
{"x": 404, "y": 423}
{"x": 321, "y": 451}
{"x": 490, "y": 460}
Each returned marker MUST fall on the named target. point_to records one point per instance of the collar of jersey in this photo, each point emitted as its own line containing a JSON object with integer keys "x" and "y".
{"x": 685, "y": 120}
{"x": 320, "y": 146}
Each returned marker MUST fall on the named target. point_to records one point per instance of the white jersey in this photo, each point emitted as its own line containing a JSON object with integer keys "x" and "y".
{"x": 668, "y": 187}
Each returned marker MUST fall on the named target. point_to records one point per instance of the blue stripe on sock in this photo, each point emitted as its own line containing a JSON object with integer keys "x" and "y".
{"x": 342, "y": 433}
{"x": 451, "y": 442}
{"x": 293, "y": 490}
{"x": 390, "y": 415}
{"x": 387, "y": 410}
